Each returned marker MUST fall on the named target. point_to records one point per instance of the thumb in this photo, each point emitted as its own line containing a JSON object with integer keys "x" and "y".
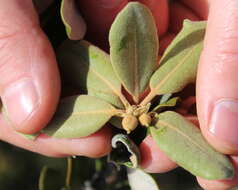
{"x": 217, "y": 89}
{"x": 29, "y": 79}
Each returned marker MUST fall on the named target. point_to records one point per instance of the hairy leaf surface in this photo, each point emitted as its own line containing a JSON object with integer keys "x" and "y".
{"x": 79, "y": 116}
{"x": 134, "y": 47}
{"x": 178, "y": 66}
{"x": 89, "y": 69}
{"x": 184, "y": 143}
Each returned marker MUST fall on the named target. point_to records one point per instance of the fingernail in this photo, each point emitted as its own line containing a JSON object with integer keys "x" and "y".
{"x": 20, "y": 100}
{"x": 224, "y": 121}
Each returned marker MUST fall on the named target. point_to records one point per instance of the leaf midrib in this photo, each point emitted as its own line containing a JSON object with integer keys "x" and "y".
{"x": 173, "y": 70}
{"x": 203, "y": 149}
{"x": 106, "y": 111}
{"x": 135, "y": 66}
{"x": 115, "y": 91}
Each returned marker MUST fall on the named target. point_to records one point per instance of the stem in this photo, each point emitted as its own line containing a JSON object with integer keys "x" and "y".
{"x": 69, "y": 172}
{"x": 148, "y": 98}
{"x": 124, "y": 100}
{"x": 42, "y": 178}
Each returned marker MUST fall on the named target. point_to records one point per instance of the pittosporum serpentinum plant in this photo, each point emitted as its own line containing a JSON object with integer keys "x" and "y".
{"x": 128, "y": 90}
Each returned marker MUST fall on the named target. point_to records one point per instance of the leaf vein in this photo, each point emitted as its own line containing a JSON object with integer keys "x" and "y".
{"x": 175, "y": 69}
{"x": 203, "y": 149}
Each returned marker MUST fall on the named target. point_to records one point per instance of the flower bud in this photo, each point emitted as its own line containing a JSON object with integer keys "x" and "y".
{"x": 129, "y": 123}
{"x": 145, "y": 120}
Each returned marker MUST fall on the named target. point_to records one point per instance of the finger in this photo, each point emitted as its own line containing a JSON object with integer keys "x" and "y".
{"x": 153, "y": 159}
{"x": 99, "y": 15}
{"x": 29, "y": 82}
{"x": 217, "y": 89}
{"x": 179, "y": 12}
{"x": 160, "y": 11}
{"x": 200, "y": 7}
{"x": 95, "y": 145}
{"x": 165, "y": 41}
{"x": 221, "y": 184}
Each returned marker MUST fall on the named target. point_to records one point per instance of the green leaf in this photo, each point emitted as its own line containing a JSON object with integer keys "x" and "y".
{"x": 178, "y": 66}
{"x": 74, "y": 23}
{"x": 134, "y": 47}
{"x": 170, "y": 103}
{"x": 184, "y": 143}
{"x": 124, "y": 151}
{"x": 79, "y": 116}
{"x": 89, "y": 69}
{"x": 140, "y": 180}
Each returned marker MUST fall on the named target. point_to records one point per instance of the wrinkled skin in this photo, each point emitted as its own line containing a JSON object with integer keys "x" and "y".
{"x": 30, "y": 99}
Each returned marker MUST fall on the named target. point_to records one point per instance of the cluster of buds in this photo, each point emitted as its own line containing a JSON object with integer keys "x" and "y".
{"x": 135, "y": 115}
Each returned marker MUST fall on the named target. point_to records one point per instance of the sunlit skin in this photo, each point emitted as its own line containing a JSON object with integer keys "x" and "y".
{"x": 30, "y": 83}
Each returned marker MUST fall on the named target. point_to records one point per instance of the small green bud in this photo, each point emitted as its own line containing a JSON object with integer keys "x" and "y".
{"x": 145, "y": 119}
{"x": 129, "y": 123}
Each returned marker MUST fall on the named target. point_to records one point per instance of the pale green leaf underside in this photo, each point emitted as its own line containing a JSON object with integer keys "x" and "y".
{"x": 74, "y": 23}
{"x": 79, "y": 116}
{"x": 140, "y": 180}
{"x": 184, "y": 143}
{"x": 178, "y": 66}
{"x": 134, "y": 47}
{"x": 89, "y": 69}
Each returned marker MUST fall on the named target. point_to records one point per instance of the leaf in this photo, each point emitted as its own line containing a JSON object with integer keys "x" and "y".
{"x": 124, "y": 151}
{"x": 184, "y": 143}
{"x": 140, "y": 180}
{"x": 79, "y": 116}
{"x": 134, "y": 47}
{"x": 74, "y": 23}
{"x": 89, "y": 69}
{"x": 170, "y": 103}
{"x": 164, "y": 98}
{"x": 178, "y": 66}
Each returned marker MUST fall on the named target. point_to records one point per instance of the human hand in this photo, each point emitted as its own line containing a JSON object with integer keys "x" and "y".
{"x": 217, "y": 67}
{"x": 30, "y": 86}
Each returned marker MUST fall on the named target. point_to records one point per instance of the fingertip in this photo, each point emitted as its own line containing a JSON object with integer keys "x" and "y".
{"x": 153, "y": 159}
{"x": 31, "y": 88}
{"x": 217, "y": 93}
